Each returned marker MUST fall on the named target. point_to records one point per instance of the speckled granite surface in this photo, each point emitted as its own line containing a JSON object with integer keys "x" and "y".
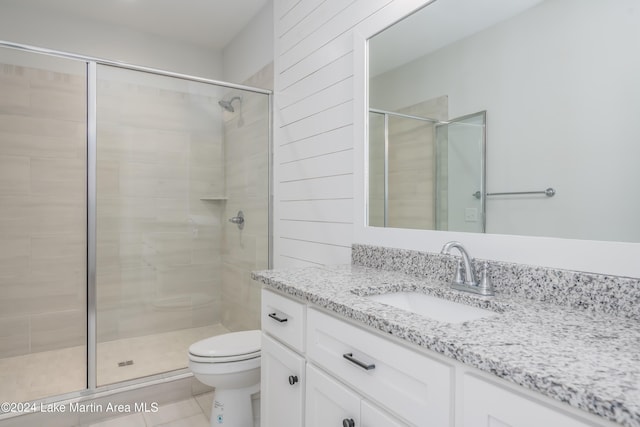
{"x": 599, "y": 293}
{"x": 588, "y": 359}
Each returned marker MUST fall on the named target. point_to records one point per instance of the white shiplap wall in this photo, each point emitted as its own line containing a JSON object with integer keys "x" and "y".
{"x": 313, "y": 127}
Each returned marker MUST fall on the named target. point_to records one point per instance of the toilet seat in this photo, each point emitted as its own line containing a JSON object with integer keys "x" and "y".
{"x": 226, "y": 348}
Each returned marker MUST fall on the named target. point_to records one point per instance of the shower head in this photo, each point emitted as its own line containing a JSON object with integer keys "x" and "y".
{"x": 227, "y": 104}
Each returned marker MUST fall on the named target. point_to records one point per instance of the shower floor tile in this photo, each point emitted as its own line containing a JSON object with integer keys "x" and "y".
{"x": 38, "y": 375}
{"x": 49, "y": 373}
{"x": 151, "y": 354}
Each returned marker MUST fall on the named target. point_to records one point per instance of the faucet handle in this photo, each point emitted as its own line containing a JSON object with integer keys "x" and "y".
{"x": 485, "y": 285}
{"x": 458, "y": 278}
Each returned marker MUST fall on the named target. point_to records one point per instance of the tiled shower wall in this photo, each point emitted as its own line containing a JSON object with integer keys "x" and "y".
{"x": 159, "y": 245}
{"x": 246, "y": 170}
{"x": 158, "y": 252}
{"x": 42, "y": 209}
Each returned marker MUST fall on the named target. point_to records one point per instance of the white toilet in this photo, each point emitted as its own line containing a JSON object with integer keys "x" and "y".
{"x": 231, "y": 364}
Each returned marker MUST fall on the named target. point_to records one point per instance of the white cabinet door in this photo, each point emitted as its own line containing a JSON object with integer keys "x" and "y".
{"x": 489, "y": 405}
{"x": 329, "y": 403}
{"x": 407, "y": 382}
{"x": 282, "y": 385}
{"x": 372, "y": 416}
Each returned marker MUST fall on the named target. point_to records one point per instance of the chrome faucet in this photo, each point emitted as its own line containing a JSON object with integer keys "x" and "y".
{"x": 469, "y": 282}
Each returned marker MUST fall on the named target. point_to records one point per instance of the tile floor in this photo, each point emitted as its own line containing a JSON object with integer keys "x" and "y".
{"x": 187, "y": 413}
{"x": 193, "y": 412}
{"x": 50, "y": 373}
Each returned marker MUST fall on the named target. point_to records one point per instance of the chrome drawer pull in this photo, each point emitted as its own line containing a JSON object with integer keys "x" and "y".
{"x": 278, "y": 319}
{"x": 350, "y": 358}
{"x": 348, "y": 422}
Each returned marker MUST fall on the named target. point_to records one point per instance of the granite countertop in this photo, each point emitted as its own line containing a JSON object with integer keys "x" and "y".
{"x": 589, "y": 360}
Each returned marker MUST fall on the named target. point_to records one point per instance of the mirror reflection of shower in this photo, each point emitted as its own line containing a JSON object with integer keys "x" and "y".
{"x": 421, "y": 166}
{"x": 228, "y": 106}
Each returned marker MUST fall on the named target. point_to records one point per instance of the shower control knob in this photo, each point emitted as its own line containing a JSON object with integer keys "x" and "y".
{"x": 293, "y": 379}
{"x": 238, "y": 220}
{"x": 348, "y": 422}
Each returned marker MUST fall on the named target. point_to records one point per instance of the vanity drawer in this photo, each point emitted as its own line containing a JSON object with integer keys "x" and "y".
{"x": 283, "y": 319}
{"x": 485, "y": 404}
{"x": 410, "y": 384}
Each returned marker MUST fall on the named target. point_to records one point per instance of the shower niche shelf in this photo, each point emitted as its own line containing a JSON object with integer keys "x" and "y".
{"x": 213, "y": 198}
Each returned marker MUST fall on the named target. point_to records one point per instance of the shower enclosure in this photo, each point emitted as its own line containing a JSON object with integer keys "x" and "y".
{"x": 425, "y": 172}
{"x": 116, "y": 188}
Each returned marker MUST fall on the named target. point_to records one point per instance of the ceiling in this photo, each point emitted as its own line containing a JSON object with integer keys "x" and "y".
{"x": 210, "y": 24}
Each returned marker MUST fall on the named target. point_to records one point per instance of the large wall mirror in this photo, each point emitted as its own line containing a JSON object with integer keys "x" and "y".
{"x": 517, "y": 117}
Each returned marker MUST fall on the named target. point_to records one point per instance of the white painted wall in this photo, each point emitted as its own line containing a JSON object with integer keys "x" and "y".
{"x": 61, "y": 32}
{"x": 319, "y": 148}
{"x": 250, "y": 50}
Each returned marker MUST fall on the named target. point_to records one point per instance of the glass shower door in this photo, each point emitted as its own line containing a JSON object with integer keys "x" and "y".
{"x": 460, "y": 156}
{"x": 43, "y": 223}
{"x": 159, "y": 154}
{"x": 377, "y": 202}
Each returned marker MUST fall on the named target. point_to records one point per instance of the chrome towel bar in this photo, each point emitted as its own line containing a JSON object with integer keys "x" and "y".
{"x": 549, "y": 192}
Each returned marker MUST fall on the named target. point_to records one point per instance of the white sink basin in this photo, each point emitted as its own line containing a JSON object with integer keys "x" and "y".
{"x": 432, "y": 307}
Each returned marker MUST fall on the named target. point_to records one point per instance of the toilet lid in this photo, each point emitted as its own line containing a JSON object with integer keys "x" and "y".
{"x": 227, "y": 345}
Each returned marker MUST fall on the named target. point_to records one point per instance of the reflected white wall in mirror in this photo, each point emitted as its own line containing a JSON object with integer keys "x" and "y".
{"x": 558, "y": 82}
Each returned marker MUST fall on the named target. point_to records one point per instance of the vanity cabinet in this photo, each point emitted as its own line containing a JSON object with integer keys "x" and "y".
{"x": 282, "y": 375}
{"x": 283, "y": 319}
{"x": 485, "y": 404}
{"x": 282, "y": 382}
{"x": 323, "y": 371}
{"x": 372, "y": 416}
{"x": 411, "y": 384}
{"x": 330, "y": 403}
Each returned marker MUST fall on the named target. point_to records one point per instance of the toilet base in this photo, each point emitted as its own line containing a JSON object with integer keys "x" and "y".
{"x": 232, "y": 407}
